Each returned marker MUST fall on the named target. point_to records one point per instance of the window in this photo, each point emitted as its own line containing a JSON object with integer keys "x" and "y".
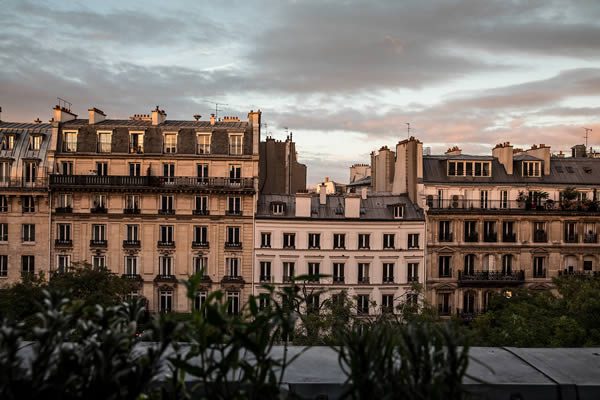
{"x": 63, "y": 263}
{"x": 135, "y": 169}
{"x": 469, "y": 264}
{"x": 132, "y": 232}
{"x": 362, "y": 304}
{"x": 412, "y": 272}
{"x": 265, "y": 239}
{"x": 445, "y": 231}
{"x": 202, "y": 172}
{"x": 166, "y": 234}
{"x": 104, "y": 142}
{"x": 532, "y": 168}
{"x": 236, "y": 144}
{"x": 234, "y": 205}
{"x": 132, "y": 204}
{"x": 539, "y": 232}
{"x": 314, "y": 240}
{"x": 66, "y": 167}
{"x": 64, "y": 232}
{"x": 28, "y": 232}
{"x": 165, "y": 265}
{"x": 4, "y": 172}
{"x": 199, "y": 300}
{"x": 489, "y": 231}
{"x": 200, "y": 235}
{"x": 233, "y": 303}
{"x": 201, "y": 205}
{"x": 8, "y": 142}
{"x": 233, "y": 266}
{"x": 338, "y": 272}
{"x": 165, "y": 301}
{"x": 539, "y": 270}
{"x": 444, "y": 306}
{"x": 102, "y": 168}
{"x": 166, "y": 204}
{"x": 504, "y": 199}
{"x": 413, "y": 240}
{"x": 233, "y": 236}
{"x": 288, "y": 271}
{"x": 508, "y": 234}
{"x": 388, "y": 272}
{"x": 263, "y": 301}
{"x": 312, "y": 303}
{"x": 3, "y": 203}
{"x": 203, "y": 143}
{"x": 98, "y": 233}
{"x": 445, "y": 266}
{"x": 507, "y": 261}
{"x": 235, "y": 173}
{"x": 571, "y": 232}
{"x": 3, "y": 266}
{"x": 64, "y": 200}
{"x": 170, "y": 144}
{"x": 389, "y": 240}
{"x": 398, "y": 211}
{"x": 69, "y": 142}
{"x": 469, "y": 168}
{"x": 339, "y": 241}
{"x": 28, "y": 203}
{"x": 363, "y": 273}
{"x": 29, "y": 171}
{"x": 99, "y": 203}
{"x": 289, "y": 240}
{"x": 200, "y": 265}
{"x": 131, "y": 265}
{"x": 28, "y": 264}
{"x": 99, "y": 262}
{"x": 387, "y": 303}
{"x": 363, "y": 240}
{"x": 277, "y": 208}
{"x": 4, "y": 232}
{"x": 265, "y": 271}
{"x": 471, "y": 234}
{"x": 169, "y": 172}
{"x": 136, "y": 142}
{"x": 313, "y": 271}
{"x": 483, "y": 199}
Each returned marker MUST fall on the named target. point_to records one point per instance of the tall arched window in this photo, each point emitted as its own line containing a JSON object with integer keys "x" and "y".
{"x": 469, "y": 264}
{"x": 469, "y": 302}
{"x": 507, "y": 262}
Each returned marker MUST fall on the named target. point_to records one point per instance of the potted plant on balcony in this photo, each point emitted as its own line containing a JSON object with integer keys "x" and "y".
{"x": 522, "y": 199}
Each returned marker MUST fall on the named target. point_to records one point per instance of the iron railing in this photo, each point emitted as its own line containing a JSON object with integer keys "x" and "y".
{"x": 59, "y": 181}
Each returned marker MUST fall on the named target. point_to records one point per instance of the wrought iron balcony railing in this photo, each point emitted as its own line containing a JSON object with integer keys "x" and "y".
{"x": 490, "y": 277}
{"x": 96, "y": 181}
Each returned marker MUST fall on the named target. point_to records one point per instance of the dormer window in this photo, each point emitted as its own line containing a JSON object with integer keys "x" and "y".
{"x": 277, "y": 208}
{"x": 136, "y": 142}
{"x": 203, "y": 143}
{"x": 398, "y": 211}
{"x": 236, "y": 144}
{"x": 104, "y": 142}
{"x": 469, "y": 168}
{"x": 35, "y": 143}
{"x": 532, "y": 168}
{"x": 8, "y": 142}
{"x": 170, "y": 144}
{"x": 69, "y": 142}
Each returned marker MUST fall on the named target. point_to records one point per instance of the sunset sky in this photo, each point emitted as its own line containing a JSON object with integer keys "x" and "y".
{"x": 344, "y": 76}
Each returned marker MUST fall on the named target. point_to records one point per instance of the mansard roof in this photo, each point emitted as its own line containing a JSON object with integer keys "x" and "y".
{"x": 168, "y": 124}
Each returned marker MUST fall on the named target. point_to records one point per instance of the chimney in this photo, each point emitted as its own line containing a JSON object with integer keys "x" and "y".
{"x": 323, "y": 195}
{"x": 158, "y": 116}
{"x": 254, "y": 120}
{"x": 352, "y": 206}
{"x": 303, "y": 201}
{"x": 95, "y": 115}
{"x": 212, "y": 119}
{"x": 454, "y": 151}
{"x": 62, "y": 114}
{"x": 503, "y": 152}
{"x": 363, "y": 193}
{"x": 542, "y": 152}
{"x": 37, "y": 121}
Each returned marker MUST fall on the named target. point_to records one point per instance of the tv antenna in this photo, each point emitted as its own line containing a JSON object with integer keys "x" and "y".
{"x": 407, "y": 130}
{"x": 587, "y": 134}
{"x": 62, "y": 103}
{"x": 217, "y": 109}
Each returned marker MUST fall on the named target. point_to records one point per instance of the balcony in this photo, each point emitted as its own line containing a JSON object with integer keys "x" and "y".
{"x": 490, "y": 237}
{"x": 591, "y": 274}
{"x": 571, "y": 238}
{"x": 154, "y": 183}
{"x": 412, "y": 279}
{"x": 166, "y": 278}
{"x": 38, "y": 183}
{"x": 338, "y": 279}
{"x": 131, "y": 244}
{"x": 165, "y": 244}
{"x": 98, "y": 210}
{"x": 509, "y": 237}
{"x": 200, "y": 212}
{"x": 233, "y": 245}
{"x": 288, "y": 278}
{"x": 134, "y": 210}
{"x": 99, "y": 243}
{"x": 132, "y": 277}
{"x": 63, "y": 243}
{"x": 539, "y": 273}
{"x": 233, "y": 281}
{"x": 467, "y": 315}
{"x": 265, "y": 278}
{"x": 445, "y": 237}
{"x": 63, "y": 210}
{"x": 363, "y": 279}
{"x": 471, "y": 237}
{"x": 459, "y": 205}
{"x": 590, "y": 238}
{"x": 199, "y": 245}
{"x": 166, "y": 212}
{"x": 490, "y": 278}
{"x": 233, "y": 212}
{"x": 540, "y": 237}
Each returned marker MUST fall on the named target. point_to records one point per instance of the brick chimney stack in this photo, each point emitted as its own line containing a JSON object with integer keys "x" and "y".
{"x": 158, "y": 116}
{"x": 95, "y": 116}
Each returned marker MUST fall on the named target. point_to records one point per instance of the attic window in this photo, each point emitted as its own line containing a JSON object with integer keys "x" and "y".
{"x": 35, "y": 142}
{"x": 570, "y": 170}
{"x": 8, "y": 142}
{"x": 587, "y": 170}
{"x": 277, "y": 208}
{"x": 532, "y": 168}
{"x": 560, "y": 169}
{"x": 398, "y": 211}
{"x": 339, "y": 210}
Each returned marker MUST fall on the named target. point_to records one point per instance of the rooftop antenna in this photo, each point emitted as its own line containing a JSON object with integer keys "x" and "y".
{"x": 587, "y": 134}
{"x": 407, "y": 130}
{"x": 217, "y": 109}
{"x": 62, "y": 103}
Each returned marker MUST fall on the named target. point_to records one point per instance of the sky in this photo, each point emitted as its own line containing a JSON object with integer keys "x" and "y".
{"x": 344, "y": 76}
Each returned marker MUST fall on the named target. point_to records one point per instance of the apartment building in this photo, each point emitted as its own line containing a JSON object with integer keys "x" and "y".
{"x": 24, "y": 201}
{"x": 370, "y": 246}
{"x": 515, "y": 218}
{"x": 157, "y": 200}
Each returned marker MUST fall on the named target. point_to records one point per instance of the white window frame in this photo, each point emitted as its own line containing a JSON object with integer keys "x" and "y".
{"x": 104, "y": 146}
{"x": 170, "y": 146}
{"x": 236, "y": 144}
{"x": 67, "y": 145}
{"x": 203, "y": 145}
{"x": 140, "y": 142}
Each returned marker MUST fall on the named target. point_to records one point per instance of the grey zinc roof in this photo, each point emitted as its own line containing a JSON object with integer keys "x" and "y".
{"x": 563, "y": 171}
{"x": 526, "y": 157}
{"x": 108, "y": 123}
{"x": 376, "y": 207}
{"x": 366, "y": 181}
{"x": 22, "y": 132}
